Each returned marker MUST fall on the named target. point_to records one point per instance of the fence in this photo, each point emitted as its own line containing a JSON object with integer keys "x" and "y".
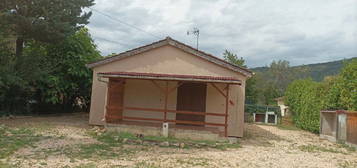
{"x": 339, "y": 125}
{"x": 260, "y": 112}
{"x": 352, "y": 128}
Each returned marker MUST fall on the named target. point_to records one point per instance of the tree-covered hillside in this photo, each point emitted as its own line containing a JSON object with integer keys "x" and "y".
{"x": 316, "y": 71}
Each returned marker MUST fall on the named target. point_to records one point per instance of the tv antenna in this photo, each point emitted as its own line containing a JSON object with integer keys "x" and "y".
{"x": 196, "y": 33}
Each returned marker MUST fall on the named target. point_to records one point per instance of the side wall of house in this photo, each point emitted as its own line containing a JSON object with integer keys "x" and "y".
{"x": 169, "y": 60}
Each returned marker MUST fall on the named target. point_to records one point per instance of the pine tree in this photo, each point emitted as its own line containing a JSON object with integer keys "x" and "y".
{"x": 47, "y": 21}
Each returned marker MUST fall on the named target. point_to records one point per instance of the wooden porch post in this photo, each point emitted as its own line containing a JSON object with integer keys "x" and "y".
{"x": 115, "y": 99}
{"x": 226, "y": 116}
{"x": 166, "y": 97}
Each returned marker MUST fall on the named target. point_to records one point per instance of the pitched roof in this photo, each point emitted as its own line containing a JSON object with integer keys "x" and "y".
{"x": 177, "y": 44}
{"x": 175, "y": 77}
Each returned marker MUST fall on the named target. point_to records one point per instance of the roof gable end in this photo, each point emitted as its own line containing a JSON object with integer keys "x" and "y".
{"x": 177, "y": 44}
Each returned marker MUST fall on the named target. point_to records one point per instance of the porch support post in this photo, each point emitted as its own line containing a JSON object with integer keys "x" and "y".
{"x": 166, "y": 97}
{"x": 226, "y": 116}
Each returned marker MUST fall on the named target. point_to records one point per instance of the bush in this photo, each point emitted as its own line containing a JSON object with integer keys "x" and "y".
{"x": 307, "y": 98}
{"x": 304, "y": 99}
{"x": 348, "y": 86}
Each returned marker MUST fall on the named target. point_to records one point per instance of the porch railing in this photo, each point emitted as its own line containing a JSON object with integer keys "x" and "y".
{"x": 166, "y": 91}
{"x": 168, "y": 120}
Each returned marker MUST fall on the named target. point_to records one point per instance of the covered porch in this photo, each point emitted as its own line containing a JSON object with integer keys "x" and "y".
{"x": 186, "y": 102}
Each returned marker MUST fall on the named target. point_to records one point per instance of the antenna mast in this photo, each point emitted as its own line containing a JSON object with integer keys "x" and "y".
{"x": 195, "y": 32}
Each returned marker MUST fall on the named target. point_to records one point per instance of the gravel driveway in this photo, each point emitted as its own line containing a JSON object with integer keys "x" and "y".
{"x": 65, "y": 142}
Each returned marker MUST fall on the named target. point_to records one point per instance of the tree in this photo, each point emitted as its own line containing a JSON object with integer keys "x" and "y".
{"x": 251, "y": 92}
{"x": 281, "y": 74}
{"x": 341, "y": 90}
{"x": 348, "y": 86}
{"x": 233, "y": 58}
{"x": 69, "y": 82}
{"x": 50, "y": 77}
{"x": 16, "y": 74}
{"x": 43, "y": 20}
{"x": 332, "y": 98}
{"x": 276, "y": 79}
{"x": 269, "y": 93}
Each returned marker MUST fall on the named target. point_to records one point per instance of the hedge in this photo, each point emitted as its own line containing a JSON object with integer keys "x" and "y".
{"x": 307, "y": 98}
{"x": 304, "y": 100}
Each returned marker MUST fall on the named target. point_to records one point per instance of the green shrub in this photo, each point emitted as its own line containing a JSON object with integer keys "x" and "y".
{"x": 348, "y": 86}
{"x": 304, "y": 100}
{"x": 307, "y": 98}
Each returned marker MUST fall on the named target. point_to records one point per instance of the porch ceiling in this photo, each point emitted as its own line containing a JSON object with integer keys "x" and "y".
{"x": 171, "y": 77}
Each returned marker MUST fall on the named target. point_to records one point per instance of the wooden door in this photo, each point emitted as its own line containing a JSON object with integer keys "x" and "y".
{"x": 115, "y": 100}
{"x": 191, "y": 97}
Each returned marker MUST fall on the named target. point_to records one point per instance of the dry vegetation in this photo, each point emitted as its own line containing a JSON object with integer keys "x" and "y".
{"x": 68, "y": 141}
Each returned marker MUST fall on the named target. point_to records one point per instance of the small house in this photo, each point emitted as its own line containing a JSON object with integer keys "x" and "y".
{"x": 284, "y": 109}
{"x": 169, "y": 82}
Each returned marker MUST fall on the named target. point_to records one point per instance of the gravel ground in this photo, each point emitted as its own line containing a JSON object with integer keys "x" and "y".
{"x": 262, "y": 146}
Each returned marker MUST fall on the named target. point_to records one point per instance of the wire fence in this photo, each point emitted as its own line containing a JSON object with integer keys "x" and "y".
{"x": 250, "y": 109}
{"x": 254, "y": 108}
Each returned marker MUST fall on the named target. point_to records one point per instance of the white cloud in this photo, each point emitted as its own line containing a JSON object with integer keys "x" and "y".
{"x": 300, "y": 31}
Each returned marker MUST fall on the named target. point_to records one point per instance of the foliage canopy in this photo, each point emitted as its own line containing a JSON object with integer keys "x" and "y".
{"x": 251, "y": 92}
{"x": 47, "y": 76}
{"x": 43, "y": 20}
{"x": 307, "y": 98}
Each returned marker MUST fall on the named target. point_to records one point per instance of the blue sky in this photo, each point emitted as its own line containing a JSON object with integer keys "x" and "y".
{"x": 260, "y": 31}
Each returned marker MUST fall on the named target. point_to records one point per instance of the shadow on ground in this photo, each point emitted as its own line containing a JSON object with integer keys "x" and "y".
{"x": 79, "y": 120}
{"x": 254, "y": 135}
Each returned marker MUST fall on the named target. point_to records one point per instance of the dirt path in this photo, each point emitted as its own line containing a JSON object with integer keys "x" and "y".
{"x": 262, "y": 146}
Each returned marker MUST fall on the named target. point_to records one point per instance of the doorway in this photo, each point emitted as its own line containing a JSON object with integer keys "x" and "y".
{"x": 191, "y": 97}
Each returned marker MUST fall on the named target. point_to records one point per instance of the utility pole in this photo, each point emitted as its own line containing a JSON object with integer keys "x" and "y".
{"x": 195, "y": 32}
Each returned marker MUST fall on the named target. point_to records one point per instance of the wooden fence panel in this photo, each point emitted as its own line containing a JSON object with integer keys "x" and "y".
{"x": 352, "y": 128}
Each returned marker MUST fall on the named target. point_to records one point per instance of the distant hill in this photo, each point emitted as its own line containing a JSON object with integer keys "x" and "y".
{"x": 316, "y": 71}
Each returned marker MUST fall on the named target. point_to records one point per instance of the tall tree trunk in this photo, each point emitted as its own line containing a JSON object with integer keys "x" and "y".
{"x": 19, "y": 46}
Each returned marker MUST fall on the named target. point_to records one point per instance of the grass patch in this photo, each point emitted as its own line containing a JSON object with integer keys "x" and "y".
{"x": 144, "y": 164}
{"x": 288, "y": 127}
{"x": 116, "y": 139}
{"x": 347, "y": 164}
{"x": 226, "y": 146}
{"x": 87, "y": 165}
{"x": 83, "y": 151}
{"x": 98, "y": 151}
{"x": 161, "y": 139}
{"x": 42, "y": 126}
{"x": 5, "y": 165}
{"x": 345, "y": 146}
{"x": 12, "y": 139}
{"x": 315, "y": 148}
{"x": 191, "y": 162}
{"x": 109, "y": 147}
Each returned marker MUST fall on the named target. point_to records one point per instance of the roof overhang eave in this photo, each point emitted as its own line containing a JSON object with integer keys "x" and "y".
{"x": 235, "y": 82}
